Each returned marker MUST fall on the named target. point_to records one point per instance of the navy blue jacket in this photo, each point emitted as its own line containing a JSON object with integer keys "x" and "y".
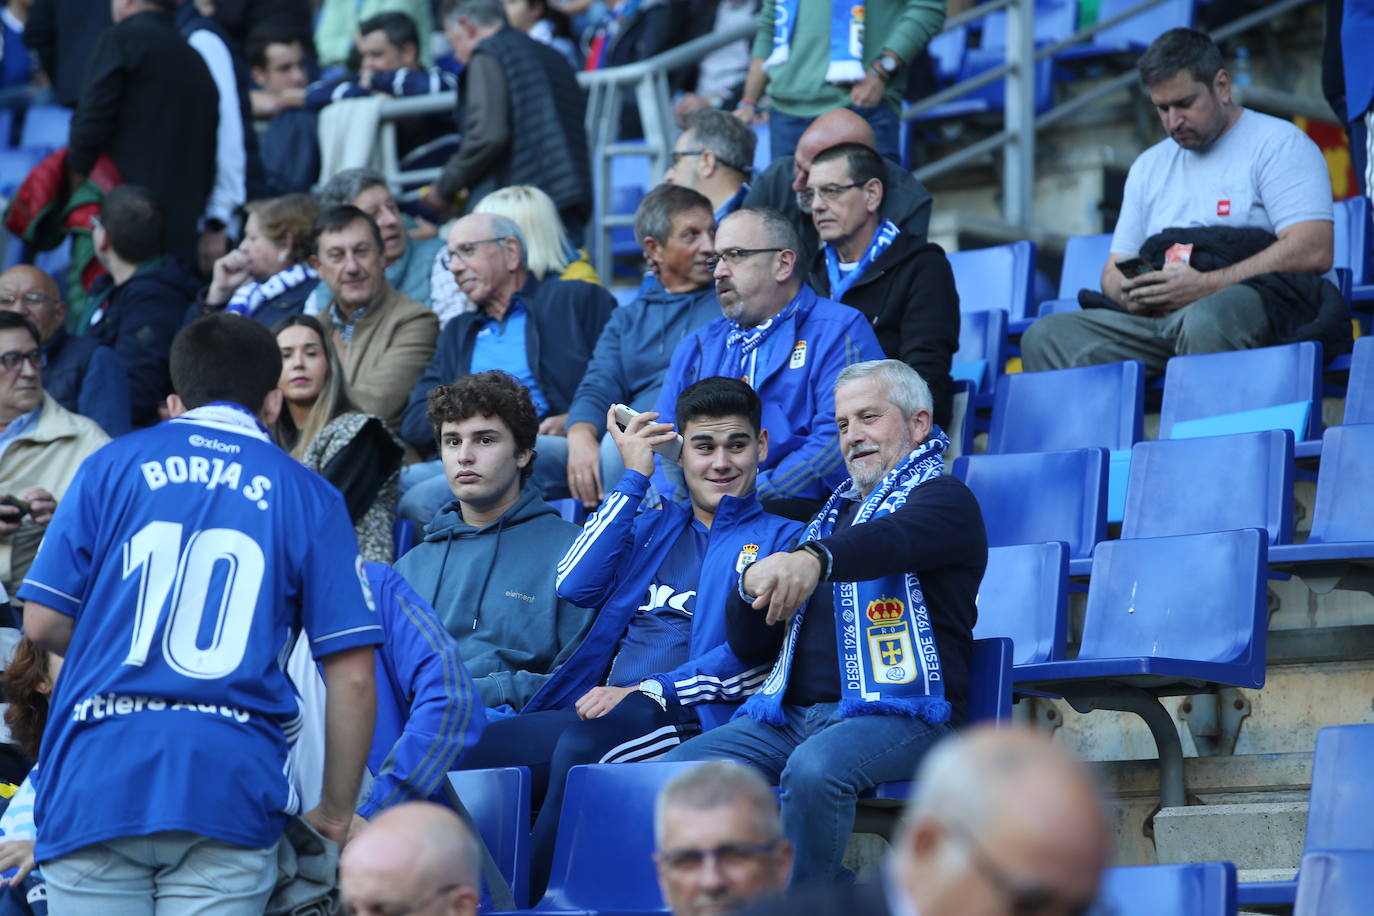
{"x": 87, "y": 377}
{"x": 139, "y": 319}
{"x": 611, "y": 566}
{"x": 565, "y": 320}
{"x": 291, "y": 302}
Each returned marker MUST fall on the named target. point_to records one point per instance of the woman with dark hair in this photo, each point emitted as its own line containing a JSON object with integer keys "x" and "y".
{"x": 322, "y": 429}
{"x": 27, "y": 685}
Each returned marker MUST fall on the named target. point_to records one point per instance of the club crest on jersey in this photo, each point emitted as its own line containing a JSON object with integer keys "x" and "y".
{"x": 798, "y": 355}
{"x": 361, "y": 571}
{"x": 747, "y": 554}
{"x": 889, "y": 641}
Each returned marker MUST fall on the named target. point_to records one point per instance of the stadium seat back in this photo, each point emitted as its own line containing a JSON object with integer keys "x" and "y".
{"x": 1342, "y": 801}
{"x": 1344, "y": 509}
{"x": 1215, "y": 384}
{"x": 1093, "y": 406}
{"x": 1001, "y": 277}
{"x": 947, "y": 52}
{"x": 1352, "y": 238}
{"x": 1024, "y": 596}
{"x": 983, "y": 339}
{"x": 1055, "y": 20}
{"x": 601, "y": 859}
{"x": 1033, "y": 497}
{"x": 990, "y": 680}
{"x": 1335, "y": 883}
{"x": 1084, "y": 256}
{"x": 499, "y": 801}
{"x": 1197, "y": 889}
{"x": 15, "y": 165}
{"x": 1137, "y": 32}
{"x": 1216, "y": 483}
{"x": 1359, "y": 395}
{"x": 1196, "y": 597}
{"x": 46, "y": 127}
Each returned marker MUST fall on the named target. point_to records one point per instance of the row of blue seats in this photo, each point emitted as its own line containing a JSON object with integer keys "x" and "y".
{"x": 44, "y": 127}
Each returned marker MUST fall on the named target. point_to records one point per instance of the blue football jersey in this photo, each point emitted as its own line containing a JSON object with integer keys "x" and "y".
{"x": 190, "y": 555}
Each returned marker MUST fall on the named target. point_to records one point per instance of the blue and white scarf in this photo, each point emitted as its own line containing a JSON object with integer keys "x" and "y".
{"x": 846, "y": 39}
{"x": 889, "y": 663}
{"x": 742, "y": 345}
{"x": 882, "y": 239}
{"x": 249, "y": 297}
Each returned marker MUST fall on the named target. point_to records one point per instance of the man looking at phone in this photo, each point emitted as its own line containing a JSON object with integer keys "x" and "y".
{"x": 654, "y": 669}
{"x": 41, "y": 446}
{"x": 1223, "y": 172}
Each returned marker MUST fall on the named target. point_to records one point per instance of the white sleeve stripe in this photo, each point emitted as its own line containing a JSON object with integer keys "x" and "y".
{"x": 48, "y": 588}
{"x": 319, "y": 639}
{"x": 590, "y": 532}
{"x": 701, "y": 677}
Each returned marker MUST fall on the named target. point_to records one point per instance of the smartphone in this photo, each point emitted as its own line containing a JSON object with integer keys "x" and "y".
{"x": 669, "y": 450}
{"x": 17, "y": 503}
{"x": 1134, "y": 267}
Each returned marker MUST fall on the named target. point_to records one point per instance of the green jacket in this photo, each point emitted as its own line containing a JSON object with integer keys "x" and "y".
{"x": 798, "y": 87}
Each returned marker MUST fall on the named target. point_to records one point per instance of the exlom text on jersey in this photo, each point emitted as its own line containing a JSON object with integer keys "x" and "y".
{"x": 209, "y": 473}
{"x": 102, "y": 706}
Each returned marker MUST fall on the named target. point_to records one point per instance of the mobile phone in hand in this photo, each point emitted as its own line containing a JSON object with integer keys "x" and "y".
{"x": 669, "y": 450}
{"x": 1134, "y": 267}
{"x": 17, "y": 503}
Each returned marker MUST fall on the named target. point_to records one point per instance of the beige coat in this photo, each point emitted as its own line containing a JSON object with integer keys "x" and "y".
{"x": 46, "y": 456}
{"x": 392, "y": 343}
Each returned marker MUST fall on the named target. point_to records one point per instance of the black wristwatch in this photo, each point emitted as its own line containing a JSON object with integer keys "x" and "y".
{"x": 817, "y": 550}
{"x": 885, "y": 67}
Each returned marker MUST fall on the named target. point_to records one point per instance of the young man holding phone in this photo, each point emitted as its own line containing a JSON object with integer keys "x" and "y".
{"x": 671, "y": 672}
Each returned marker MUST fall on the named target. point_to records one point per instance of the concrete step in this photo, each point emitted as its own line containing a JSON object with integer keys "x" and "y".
{"x": 1254, "y": 835}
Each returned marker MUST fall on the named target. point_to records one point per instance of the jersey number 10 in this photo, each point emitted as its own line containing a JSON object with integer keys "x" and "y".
{"x": 164, "y": 568}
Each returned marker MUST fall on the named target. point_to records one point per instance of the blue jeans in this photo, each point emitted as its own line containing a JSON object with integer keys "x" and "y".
{"x": 822, "y": 763}
{"x": 784, "y": 130}
{"x": 551, "y": 465}
{"x": 424, "y": 491}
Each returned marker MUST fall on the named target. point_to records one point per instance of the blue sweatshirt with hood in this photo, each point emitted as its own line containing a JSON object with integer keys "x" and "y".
{"x": 635, "y": 347}
{"x": 494, "y": 590}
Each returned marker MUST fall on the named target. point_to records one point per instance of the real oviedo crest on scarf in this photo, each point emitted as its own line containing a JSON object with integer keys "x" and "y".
{"x": 892, "y": 646}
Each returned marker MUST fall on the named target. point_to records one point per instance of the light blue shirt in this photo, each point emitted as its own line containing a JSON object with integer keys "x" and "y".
{"x": 500, "y": 345}
{"x": 18, "y": 427}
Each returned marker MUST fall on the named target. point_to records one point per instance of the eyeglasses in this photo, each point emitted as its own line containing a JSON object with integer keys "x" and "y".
{"x": 31, "y": 299}
{"x": 1025, "y": 898}
{"x": 727, "y": 855}
{"x": 399, "y": 909}
{"x": 736, "y": 256}
{"x": 676, "y": 157}
{"x": 13, "y": 360}
{"x": 464, "y": 252}
{"x": 827, "y": 192}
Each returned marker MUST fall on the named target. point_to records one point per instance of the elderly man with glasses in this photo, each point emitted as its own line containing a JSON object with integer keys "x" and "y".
{"x": 542, "y": 332}
{"x": 41, "y": 446}
{"x": 82, "y": 374}
{"x": 788, "y": 344}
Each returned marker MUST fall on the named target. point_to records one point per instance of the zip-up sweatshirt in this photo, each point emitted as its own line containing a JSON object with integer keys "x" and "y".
{"x": 612, "y": 564}
{"x": 493, "y": 589}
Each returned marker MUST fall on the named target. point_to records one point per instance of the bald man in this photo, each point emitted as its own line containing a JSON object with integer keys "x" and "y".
{"x": 417, "y": 858}
{"x": 82, "y": 374}
{"x": 906, "y": 201}
{"x": 1003, "y": 822}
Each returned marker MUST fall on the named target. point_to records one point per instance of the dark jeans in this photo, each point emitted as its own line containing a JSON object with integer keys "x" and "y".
{"x": 784, "y": 130}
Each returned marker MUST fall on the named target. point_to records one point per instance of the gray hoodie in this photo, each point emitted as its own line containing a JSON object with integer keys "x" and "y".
{"x": 494, "y": 590}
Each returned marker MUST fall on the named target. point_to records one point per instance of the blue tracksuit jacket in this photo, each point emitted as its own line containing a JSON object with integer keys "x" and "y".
{"x": 611, "y": 565}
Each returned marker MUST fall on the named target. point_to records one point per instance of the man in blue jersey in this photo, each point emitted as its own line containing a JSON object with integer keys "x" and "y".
{"x": 177, "y": 570}
{"x": 652, "y": 671}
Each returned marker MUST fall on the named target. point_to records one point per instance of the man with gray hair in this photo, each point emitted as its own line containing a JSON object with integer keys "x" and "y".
{"x": 674, "y": 226}
{"x": 540, "y": 331}
{"x": 718, "y": 840}
{"x": 788, "y": 344}
{"x": 412, "y": 266}
{"x": 1003, "y": 822}
{"x": 871, "y": 669}
{"x": 521, "y": 115}
{"x": 714, "y": 154}
{"x": 418, "y": 857}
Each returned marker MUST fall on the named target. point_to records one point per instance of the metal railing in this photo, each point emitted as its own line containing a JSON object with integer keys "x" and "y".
{"x": 1015, "y": 139}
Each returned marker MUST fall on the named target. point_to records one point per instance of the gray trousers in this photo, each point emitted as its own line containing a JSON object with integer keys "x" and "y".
{"x": 1232, "y": 319}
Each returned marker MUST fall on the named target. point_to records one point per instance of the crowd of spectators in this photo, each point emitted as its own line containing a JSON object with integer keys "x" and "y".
{"x": 289, "y": 362}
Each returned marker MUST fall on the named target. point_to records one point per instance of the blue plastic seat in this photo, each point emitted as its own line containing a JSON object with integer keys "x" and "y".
{"x": 1351, "y": 250}
{"x": 947, "y": 52}
{"x": 1339, "y": 810}
{"x": 601, "y": 861}
{"x": 1084, "y": 256}
{"x": 15, "y": 165}
{"x": 1054, "y": 20}
{"x": 1024, "y": 596}
{"x": 1359, "y": 394}
{"x": 1245, "y": 390}
{"x": 1335, "y": 883}
{"x": 1133, "y": 35}
{"x": 1165, "y": 617}
{"x": 1195, "y": 889}
{"x": 1190, "y": 486}
{"x": 572, "y": 510}
{"x": 1093, "y": 406}
{"x": 499, "y": 801}
{"x": 6, "y": 127}
{"x": 982, "y": 352}
{"x": 1001, "y": 277}
{"x": 1034, "y": 497}
{"x": 402, "y": 537}
{"x": 46, "y": 127}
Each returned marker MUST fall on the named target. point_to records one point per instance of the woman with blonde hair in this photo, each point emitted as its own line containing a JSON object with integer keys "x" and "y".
{"x": 550, "y": 253}
{"x": 322, "y": 429}
{"x": 268, "y": 276}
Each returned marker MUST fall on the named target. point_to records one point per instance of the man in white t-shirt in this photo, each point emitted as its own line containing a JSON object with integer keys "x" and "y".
{"x": 1221, "y": 166}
